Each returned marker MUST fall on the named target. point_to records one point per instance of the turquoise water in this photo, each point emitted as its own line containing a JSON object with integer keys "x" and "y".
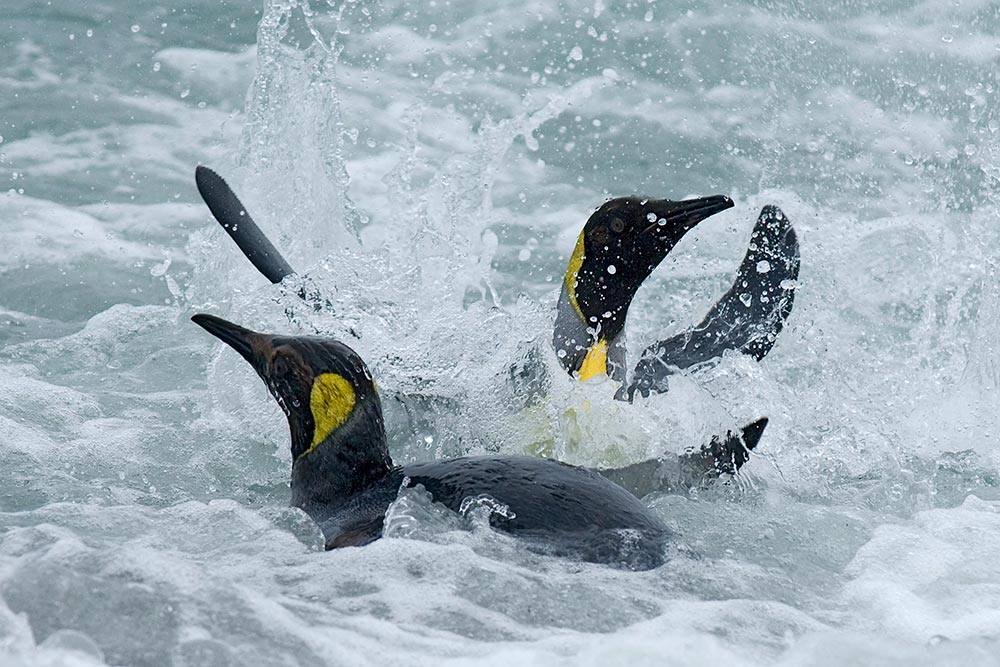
{"x": 428, "y": 167}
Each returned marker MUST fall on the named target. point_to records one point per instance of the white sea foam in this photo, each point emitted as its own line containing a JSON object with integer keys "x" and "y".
{"x": 428, "y": 168}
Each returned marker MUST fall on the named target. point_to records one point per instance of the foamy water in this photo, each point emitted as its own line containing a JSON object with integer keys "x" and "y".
{"x": 427, "y": 167}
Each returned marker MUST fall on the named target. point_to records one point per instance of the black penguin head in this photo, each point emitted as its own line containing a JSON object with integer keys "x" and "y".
{"x": 326, "y": 391}
{"x": 621, "y": 244}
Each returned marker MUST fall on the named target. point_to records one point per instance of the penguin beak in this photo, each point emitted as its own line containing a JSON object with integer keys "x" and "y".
{"x": 250, "y": 344}
{"x": 680, "y": 216}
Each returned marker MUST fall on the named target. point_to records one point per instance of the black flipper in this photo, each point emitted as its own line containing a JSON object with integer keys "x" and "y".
{"x": 724, "y": 455}
{"x": 233, "y": 216}
{"x": 747, "y": 318}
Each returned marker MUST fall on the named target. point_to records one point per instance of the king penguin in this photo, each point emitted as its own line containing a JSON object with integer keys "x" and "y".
{"x": 343, "y": 476}
{"x": 620, "y": 245}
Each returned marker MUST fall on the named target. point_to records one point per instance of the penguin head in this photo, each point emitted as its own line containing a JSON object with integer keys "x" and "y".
{"x": 326, "y": 391}
{"x": 621, "y": 244}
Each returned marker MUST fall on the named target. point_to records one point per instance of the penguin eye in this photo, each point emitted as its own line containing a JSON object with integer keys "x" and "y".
{"x": 617, "y": 225}
{"x": 280, "y": 367}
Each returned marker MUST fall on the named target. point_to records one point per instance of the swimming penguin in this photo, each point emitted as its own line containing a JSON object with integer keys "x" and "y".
{"x": 748, "y": 317}
{"x": 343, "y": 477}
{"x": 620, "y": 245}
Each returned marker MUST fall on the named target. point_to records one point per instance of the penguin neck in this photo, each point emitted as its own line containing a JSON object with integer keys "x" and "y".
{"x": 592, "y": 348}
{"x": 348, "y": 461}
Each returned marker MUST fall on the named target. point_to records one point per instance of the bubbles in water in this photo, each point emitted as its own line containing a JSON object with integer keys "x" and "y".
{"x": 488, "y": 503}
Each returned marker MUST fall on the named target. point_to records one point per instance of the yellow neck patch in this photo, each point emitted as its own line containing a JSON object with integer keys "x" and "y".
{"x": 572, "y": 271}
{"x": 332, "y": 401}
{"x": 596, "y": 361}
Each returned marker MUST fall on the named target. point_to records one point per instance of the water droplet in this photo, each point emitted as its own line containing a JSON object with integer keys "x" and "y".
{"x": 651, "y": 217}
{"x": 746, "y": 299}
{"x": 575, "y": 54}
{"x": 157, "y": 270}
{"x": 561, "y": 353}
{"x": 763, "y": 266}
{"x": 173, "y": 287}
{"x": 135, "y": 27}
{"x": 611, "y": 269}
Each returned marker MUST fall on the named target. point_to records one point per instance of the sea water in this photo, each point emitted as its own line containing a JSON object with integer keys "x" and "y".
{"x": 426, "y": 167}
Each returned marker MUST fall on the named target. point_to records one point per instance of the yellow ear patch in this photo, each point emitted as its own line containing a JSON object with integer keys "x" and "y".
{"x": 332, "y": 401}
{"x": 572, "y": 271}
{"x": 596, "y": 361}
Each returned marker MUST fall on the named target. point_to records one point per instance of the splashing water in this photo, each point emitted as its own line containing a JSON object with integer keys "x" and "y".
{"x": 427, "y": 169}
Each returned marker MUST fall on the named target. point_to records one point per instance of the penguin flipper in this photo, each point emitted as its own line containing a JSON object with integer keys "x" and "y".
{"x": 747, "y": 318}
{"x": 724, "y": 455}
{"x": 232, "y": 215}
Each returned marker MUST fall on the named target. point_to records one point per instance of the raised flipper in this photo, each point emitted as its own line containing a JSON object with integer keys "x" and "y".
{"x": 232, "y": 215}
{"x": 676, "y": 474}
{"x": 747, "y": 318}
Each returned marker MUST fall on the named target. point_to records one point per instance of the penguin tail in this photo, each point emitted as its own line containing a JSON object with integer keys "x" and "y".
{"x": 232, "y": 215}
